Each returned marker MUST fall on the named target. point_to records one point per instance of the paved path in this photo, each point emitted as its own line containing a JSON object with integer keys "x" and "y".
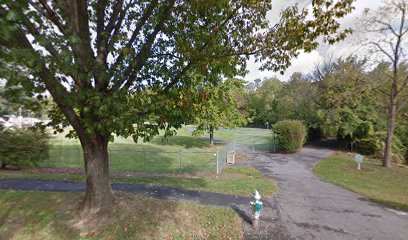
{"x": 305, "y": 207}
{"x": 309, "y": 208}
{"x": 171, "y": 193}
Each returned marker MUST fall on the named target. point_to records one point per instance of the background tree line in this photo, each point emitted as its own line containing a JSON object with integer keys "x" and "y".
{"x": 340, "y": 98}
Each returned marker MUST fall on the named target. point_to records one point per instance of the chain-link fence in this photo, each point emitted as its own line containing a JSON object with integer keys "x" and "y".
{"x": 253, "y": 143}
{"x": 224, "y": 155}
{"x": 143, "y": 160}
{"x": 180, "y": 161}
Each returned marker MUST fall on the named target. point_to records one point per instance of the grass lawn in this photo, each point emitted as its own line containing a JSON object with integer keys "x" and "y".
{"x": 176, "y": 154}
{"x": 240, "y": 181}
{"x": 182, "y": 153}
{"x": 260, "y": 139}
{"x": 44, "y": 215}
{"x": 385, "y": 186}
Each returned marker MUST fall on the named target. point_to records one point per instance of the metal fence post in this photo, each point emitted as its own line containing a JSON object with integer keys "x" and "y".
{"x": 216, "y": 157}
{"x": 180, "y": 158}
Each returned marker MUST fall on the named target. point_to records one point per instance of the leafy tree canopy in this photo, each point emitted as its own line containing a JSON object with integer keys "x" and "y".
{"x": 119, "y": 66}
{"x": 217, "y": 106}
{"x": 106, "y": 62}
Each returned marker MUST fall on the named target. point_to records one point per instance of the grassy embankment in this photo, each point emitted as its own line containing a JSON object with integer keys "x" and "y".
{"x": 241, "y": 181}
{"x": 387, "y": 186}
{"x": 44, "y": 215}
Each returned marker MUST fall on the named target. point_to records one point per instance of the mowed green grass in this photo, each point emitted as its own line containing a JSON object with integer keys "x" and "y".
{"x": 182, "y": 153}
{"x": 240, "y": 181}
{"x": 176, "y": 154}
{"x": 387, "y": 186}
{"x": 45, "y": 215}
{"x": 256, "y": 139}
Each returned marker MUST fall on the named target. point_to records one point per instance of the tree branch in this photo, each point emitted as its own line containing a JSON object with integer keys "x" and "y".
{"x": 114, "y": 17}
{"x": 175, "y": 80}
{"x": 387, "y": 26}
{"x": 381, "y": 49}
{"x": 145, "y": 51}
{"x": 140, "y": 23}
{"x": 404, "y": 84}
{"x": 100, "y": 26}
{"x": 116, "y": 27}
{"x": 55, "y": 88}
{"x": 201, "y": 49}
{"x": 51, "y": 15}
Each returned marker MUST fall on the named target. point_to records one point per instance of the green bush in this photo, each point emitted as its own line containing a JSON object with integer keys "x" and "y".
{"x": 23, "y": 148}
{"x": 374, "y": 145}
{"x": 369, "y": 146}
{"x": 291, "y": 135}
{"x": 364, "y": 130}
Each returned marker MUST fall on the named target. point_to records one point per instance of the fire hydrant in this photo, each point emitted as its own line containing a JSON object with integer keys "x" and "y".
{"x": 256, "y": 205}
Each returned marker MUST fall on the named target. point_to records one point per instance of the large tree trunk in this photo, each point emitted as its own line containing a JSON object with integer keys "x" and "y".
{"x": 99, "y": 197}
{"x": 211, "y": 135}
{"x": 390, "y": 132}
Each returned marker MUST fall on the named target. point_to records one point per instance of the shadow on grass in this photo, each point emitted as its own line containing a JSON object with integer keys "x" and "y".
{"x": 133, "y": 217}
{"x": 155, "y": 160}
{"x": 242, "y": 214}
{"x": 142, "y": 158}
{"x": 4, "y": 225}
{"x": 182, "y": 141}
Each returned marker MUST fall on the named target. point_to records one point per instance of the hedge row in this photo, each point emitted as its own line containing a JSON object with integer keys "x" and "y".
{"x": 23, "y": 148}
{"x": 291, "y": 135}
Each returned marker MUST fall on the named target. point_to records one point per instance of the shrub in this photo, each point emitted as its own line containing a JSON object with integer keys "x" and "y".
{"x": 374, "y": 145}
{"x": 291, "y": 135}
{"x": 369, "y": 146}
{"x": 23, "y": 148}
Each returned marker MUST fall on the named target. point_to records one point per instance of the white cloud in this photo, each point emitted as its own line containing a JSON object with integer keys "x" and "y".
{"x": 305, "y": 62}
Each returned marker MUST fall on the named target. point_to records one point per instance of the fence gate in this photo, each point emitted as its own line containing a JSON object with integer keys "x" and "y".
{"x": 257, "y": 142}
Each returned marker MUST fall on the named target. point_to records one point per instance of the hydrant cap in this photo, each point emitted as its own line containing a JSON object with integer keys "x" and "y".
{"x": 257, "y": 196}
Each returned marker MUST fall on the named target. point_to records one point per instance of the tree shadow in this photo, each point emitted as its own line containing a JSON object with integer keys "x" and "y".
{"x": 244, "y": 215}
{"x": 5, "y": 224}
{"x": 133, "y": 216}
{"x": 156, "y": 160}
{"x": 328, "y": 143}
{"x": 182, "y": 141}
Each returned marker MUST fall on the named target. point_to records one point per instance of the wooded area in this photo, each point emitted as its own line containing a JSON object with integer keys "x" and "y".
{"x": 340, "y": 98}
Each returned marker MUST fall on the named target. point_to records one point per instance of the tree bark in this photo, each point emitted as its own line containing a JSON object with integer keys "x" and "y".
{"x": 390, "y": 132}
{"x": 211, "y": 135}
{"x": 98, "y": 197}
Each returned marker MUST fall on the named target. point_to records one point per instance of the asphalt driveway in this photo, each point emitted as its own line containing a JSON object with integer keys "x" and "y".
{"x": 305, "y": 207}
{"x": 309, "y": 208}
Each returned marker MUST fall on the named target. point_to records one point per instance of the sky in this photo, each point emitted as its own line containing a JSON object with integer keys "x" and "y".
{"x": 306, "y": 62}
